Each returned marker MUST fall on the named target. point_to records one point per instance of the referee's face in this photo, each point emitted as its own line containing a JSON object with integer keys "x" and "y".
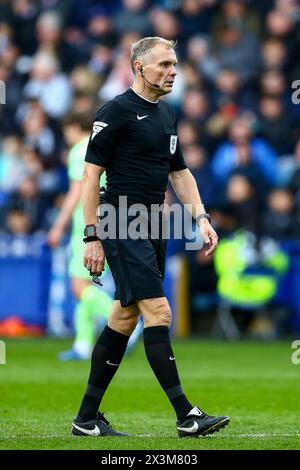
{"x": 161, "y": 68}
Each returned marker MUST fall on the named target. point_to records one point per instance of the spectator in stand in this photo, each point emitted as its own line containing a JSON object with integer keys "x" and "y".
{"x": 46, "y": 84}
{"x": 188, "y": 133}
{"x": 118, "y": 80}
{"x": 229, "y": 90}
{"x": 84, "y": 81}
{"x": 63, "y": 8}
{"x": 85, "y": 103}
{"x": 22, "y": 16}
{"x": 101, "y": 60}
{"x": 228, "y": 100}
{"x": 279, "y": 220}
{"x": 12, "y": 166}
{"x": 133, "y": 17}
{"x": 166, "y": 25}
{"x": 195, "y": 17}
{"x": 13, "y": 84}
{"x": 18, "y": 222}
{"x": 275, "y": 124}
{"x": 33, "y": 161}
{"x": 38, "y": 134}
{"x": 239, "y": 12}
{"x": 274, "y": 55}
{"x": 28, "y": 199}
{"x": 197, "y": 51}
{"x": 70, "y": 49}
{"x": 195, "y": 106}
{"x": 241, "y": 194}
{"x": 187, "y": 77}
{"x": 120, "y": 76}
{"x": 281, "y": 24}
{"x": 273, "y": 83}
{"x": 236, "y": 49}
{"x": 100, "y": 27}
{"x": 243, "y": 146}
{"x": 288, "y": 7}
{"x": 191, "y": 76}
{"x": 223, "y": 218}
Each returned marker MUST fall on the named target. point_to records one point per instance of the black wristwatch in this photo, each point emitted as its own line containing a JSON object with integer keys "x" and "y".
{"x": 90, "y": 233}
{"x": 203, "y": 216}
{"x": 90, "y": 230}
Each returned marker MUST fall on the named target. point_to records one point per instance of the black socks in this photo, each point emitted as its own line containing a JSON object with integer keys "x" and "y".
{"x": 162, "y": 361}
{"x": 106, "y": 357}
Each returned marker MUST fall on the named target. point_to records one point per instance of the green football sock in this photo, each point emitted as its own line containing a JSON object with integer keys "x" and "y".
{"x": 94, "y": 303}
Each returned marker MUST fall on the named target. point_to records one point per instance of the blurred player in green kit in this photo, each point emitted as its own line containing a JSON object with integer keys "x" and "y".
{"x": 92, "y": 302}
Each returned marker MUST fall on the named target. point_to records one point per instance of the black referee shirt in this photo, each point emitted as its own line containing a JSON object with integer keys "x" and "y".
{"x": 136, "y": 141}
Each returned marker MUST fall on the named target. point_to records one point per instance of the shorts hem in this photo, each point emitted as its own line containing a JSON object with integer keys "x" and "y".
{"x": 134, "y": 298}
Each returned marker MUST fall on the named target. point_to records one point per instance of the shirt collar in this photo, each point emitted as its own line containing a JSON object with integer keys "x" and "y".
{"x": 149, "y": 101}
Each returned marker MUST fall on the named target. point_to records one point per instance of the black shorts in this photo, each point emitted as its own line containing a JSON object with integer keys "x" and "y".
{"x": 137, "y": 265}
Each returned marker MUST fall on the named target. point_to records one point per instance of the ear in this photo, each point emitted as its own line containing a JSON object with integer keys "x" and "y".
{"x": 139, "y": 69}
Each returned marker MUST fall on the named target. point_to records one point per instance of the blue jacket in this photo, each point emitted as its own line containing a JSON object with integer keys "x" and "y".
{"x": 225, "y": 160}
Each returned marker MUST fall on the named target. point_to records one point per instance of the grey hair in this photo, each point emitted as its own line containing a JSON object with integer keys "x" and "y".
{"x": 142, "y": 48}
{"x": 50, "y": 19}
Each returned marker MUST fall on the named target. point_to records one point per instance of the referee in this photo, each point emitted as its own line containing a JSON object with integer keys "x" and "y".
{"x": 134, "y": 138}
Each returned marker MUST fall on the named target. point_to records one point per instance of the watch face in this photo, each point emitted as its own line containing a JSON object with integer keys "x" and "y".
{"x": 90, "y": 231}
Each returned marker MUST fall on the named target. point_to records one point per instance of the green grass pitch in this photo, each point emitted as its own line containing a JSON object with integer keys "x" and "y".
{"x": 256, "y": 384}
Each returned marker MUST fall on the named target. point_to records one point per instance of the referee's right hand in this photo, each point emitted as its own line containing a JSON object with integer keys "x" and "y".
{"x": 94, "y": 258}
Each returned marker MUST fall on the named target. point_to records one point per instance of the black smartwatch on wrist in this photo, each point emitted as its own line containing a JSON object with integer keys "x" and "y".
{"x": 90, "y": 233}
{"x": 203, "y": 216}
{"x": 90, "y": 230}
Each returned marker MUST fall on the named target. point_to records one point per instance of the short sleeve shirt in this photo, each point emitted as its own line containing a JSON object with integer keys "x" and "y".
{"x": 136, "y": 141}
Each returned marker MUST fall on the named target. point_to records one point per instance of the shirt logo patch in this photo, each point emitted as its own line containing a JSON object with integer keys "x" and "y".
{"x": 173, "y": 144}
{"x": 98, "y": 126}
{"x": 141, "y": 117}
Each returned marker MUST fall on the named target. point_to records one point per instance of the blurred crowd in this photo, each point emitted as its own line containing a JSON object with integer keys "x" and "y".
{"x": 238, "y": 126}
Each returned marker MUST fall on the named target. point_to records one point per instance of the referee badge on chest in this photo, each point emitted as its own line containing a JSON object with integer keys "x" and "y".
{"x": 173, "y": 144}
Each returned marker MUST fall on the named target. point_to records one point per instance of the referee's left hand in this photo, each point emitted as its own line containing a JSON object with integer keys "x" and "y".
{"x": 209, "y": 236}
{"x": 94, "y": 258}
